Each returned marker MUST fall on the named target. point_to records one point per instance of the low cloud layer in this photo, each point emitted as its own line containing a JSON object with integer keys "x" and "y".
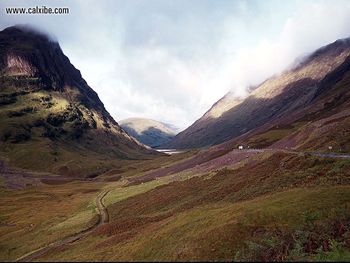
{"x": 171, "y": 60}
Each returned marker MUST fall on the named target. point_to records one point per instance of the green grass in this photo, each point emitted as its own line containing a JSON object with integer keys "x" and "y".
{"x": 235, "y": 213}
{"x": 225, "y": 230}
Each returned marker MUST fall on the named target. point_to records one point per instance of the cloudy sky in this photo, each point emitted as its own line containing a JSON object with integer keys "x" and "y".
{"x": 171, "y": 60}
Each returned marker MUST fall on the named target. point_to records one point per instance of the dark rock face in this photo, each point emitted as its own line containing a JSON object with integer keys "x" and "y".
{"x": 275, "y": 98}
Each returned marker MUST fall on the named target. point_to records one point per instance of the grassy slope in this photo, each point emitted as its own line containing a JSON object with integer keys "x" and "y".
{"x": 283, "y": 207}
{"x": 30, "y": 141}
{"x": 47, "y": 213}
{"x": 329, "y": 125}
{"x": 43, "y": 215}
{"x": 222, "y": 231}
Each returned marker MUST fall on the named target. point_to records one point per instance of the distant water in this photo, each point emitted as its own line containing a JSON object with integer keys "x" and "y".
{"x": 169, "y": 151}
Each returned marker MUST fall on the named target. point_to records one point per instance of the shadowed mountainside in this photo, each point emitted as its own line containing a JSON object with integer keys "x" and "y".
{"x": 323, "y": 125}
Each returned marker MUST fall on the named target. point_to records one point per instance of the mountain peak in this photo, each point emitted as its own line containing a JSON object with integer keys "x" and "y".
{"x": 29, "y": 52}
{"x": 29, "y": 31}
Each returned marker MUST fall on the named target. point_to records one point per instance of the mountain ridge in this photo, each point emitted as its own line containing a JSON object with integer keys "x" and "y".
{"x": 292, "y": 89}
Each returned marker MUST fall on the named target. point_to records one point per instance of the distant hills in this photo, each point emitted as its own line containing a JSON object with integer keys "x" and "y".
{"x": 306, "y": 106}
{"x": 149, "y": 132}
{"x": 51, "y": 119}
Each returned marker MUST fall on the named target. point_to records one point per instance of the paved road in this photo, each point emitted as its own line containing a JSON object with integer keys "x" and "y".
{"x": 331, "y": 155}
{"x": 103, "y": 219}
{"x": 323, "y": 154}
{"x": 319, "y": 154}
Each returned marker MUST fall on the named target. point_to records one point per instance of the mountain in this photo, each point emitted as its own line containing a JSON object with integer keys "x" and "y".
{"x": 51, "y": 120}
{"x": 149, "y": 132}
{"x": 323, "y": 125}
{"x": 277, "y": 97}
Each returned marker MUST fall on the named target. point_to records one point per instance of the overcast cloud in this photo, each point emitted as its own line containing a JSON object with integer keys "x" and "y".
{"x": 171, "y": 60}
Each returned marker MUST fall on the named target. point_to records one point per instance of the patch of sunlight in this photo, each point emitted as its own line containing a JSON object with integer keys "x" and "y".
{"x": 223, "y": 105}
{"x": 122, "y": 192}
{"x": 79, "y": 219}
{"x": 316, "y": 70}
{"x": 59, "y": 104}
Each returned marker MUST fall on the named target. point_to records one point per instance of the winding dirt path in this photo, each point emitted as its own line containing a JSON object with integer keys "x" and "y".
{"x": 103, "y": 219}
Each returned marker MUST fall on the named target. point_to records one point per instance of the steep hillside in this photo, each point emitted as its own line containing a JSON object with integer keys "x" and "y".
{"x": 51, "y": 120}
{"x": 323, "y": 126}
{"x": 149, "y": 132}
{"x": 277, "y": 97}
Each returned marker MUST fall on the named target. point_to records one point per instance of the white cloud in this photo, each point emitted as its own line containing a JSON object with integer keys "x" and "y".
{"x": 312, "y": 25}
{"x": 171, "y": 60}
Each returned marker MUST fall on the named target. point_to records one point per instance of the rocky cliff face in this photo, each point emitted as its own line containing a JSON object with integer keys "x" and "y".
{"x": 275, "y": 98}
{"x": 45, "y": 101}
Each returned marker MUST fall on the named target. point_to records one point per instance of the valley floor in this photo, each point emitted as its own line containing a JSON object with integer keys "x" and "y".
{"x": 213, "y": 205}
